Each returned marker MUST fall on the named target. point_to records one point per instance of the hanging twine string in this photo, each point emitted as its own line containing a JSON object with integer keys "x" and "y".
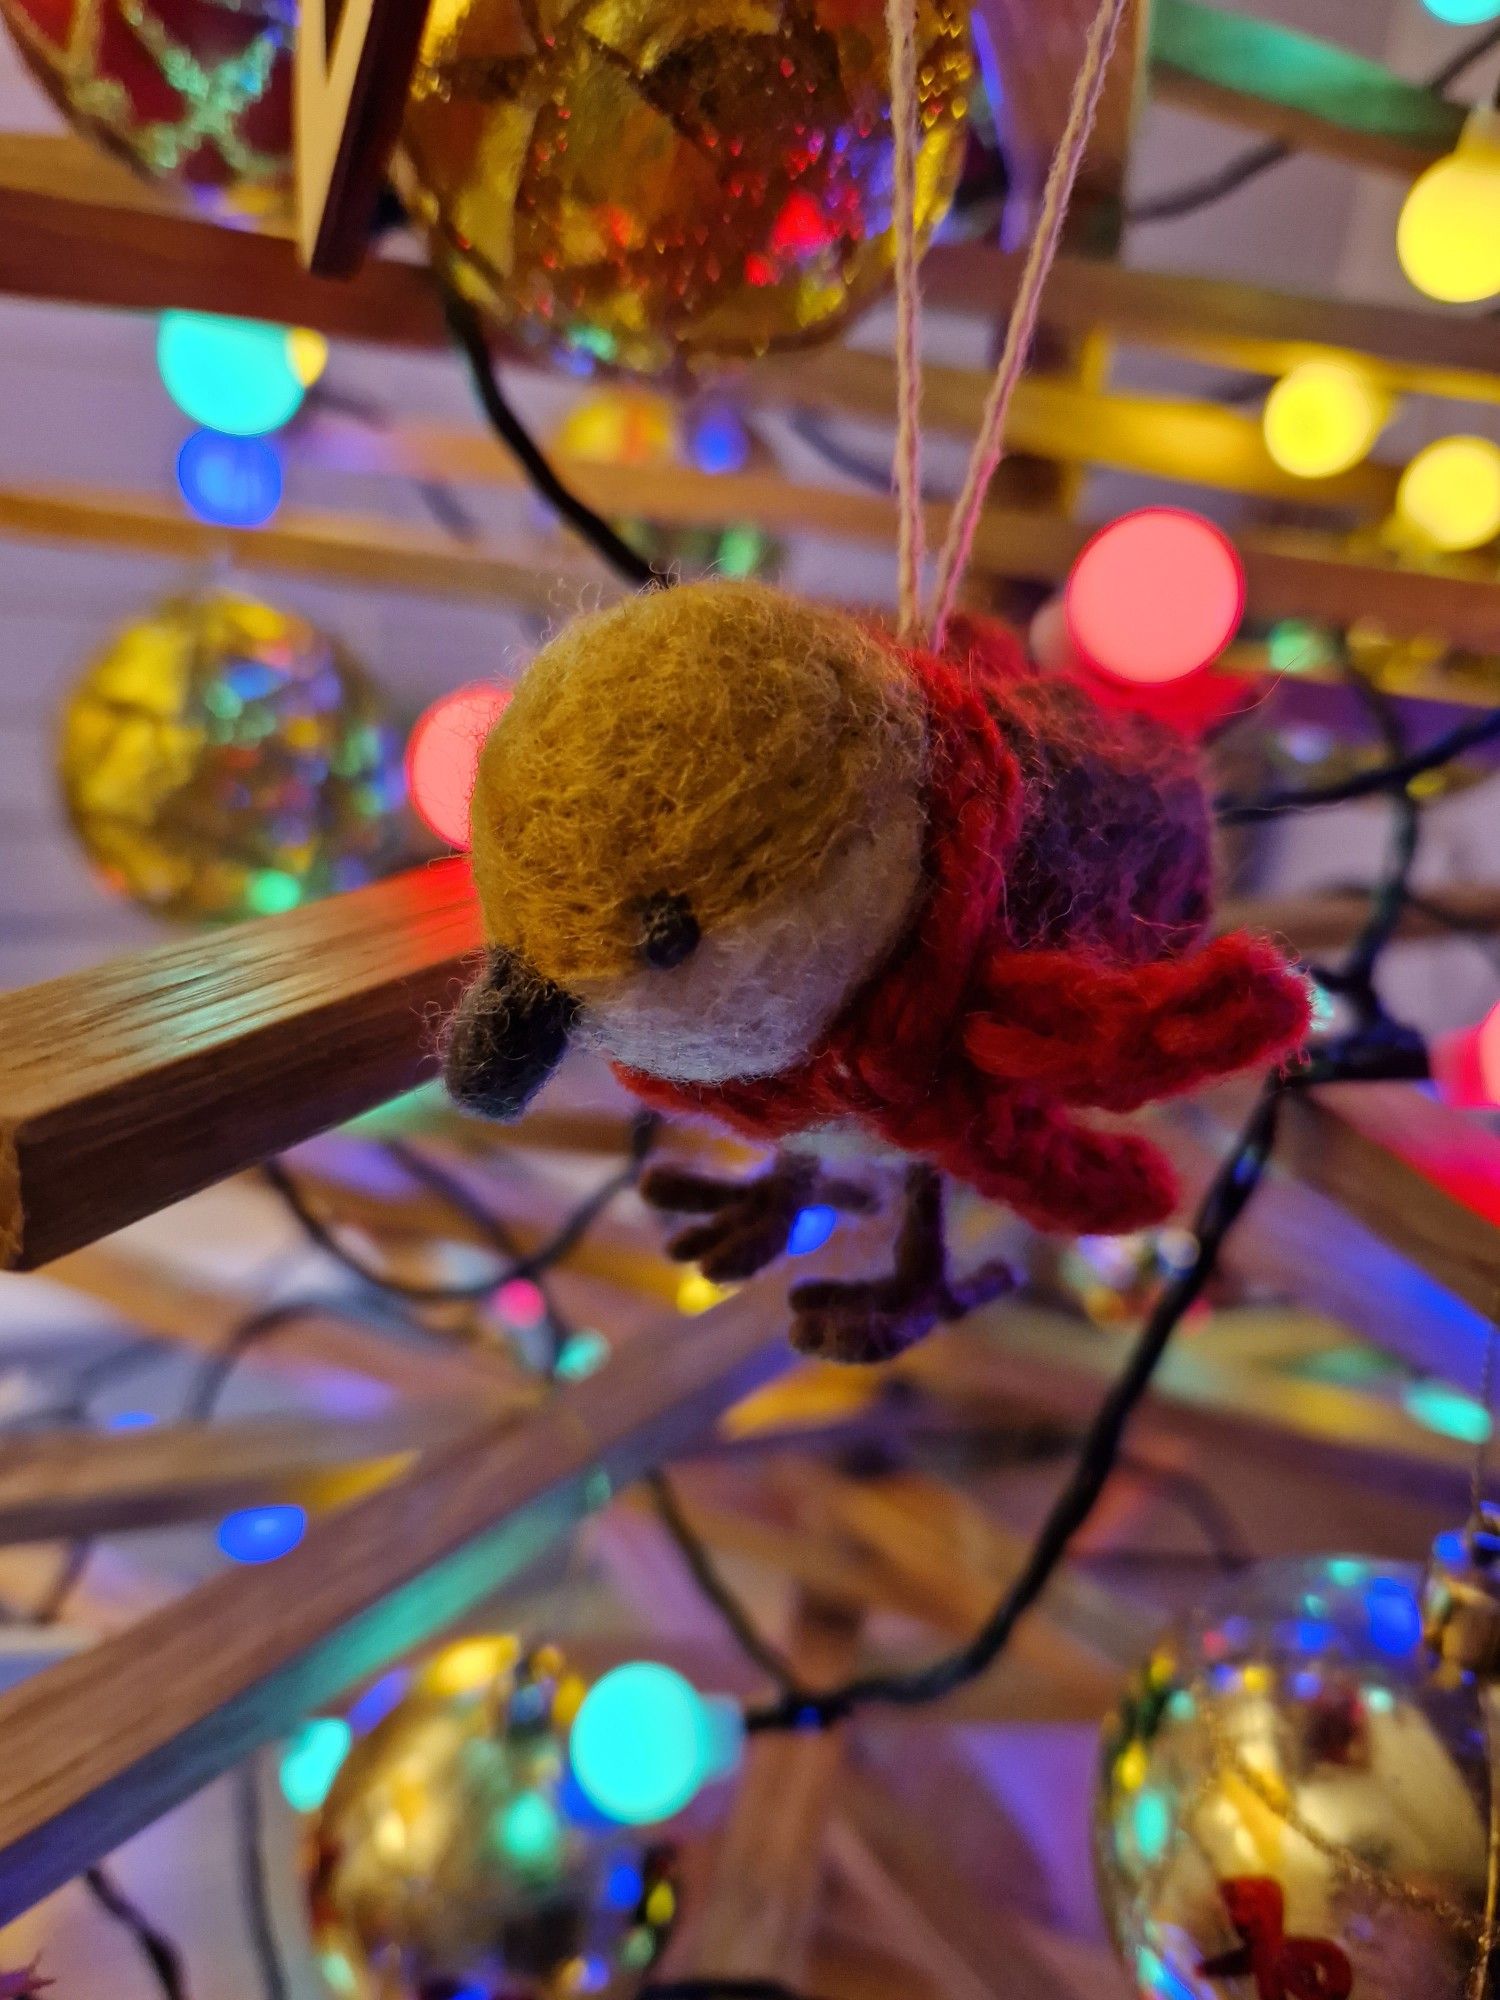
{"x": 990, "y": 443}
{"x": 900, "y": 23}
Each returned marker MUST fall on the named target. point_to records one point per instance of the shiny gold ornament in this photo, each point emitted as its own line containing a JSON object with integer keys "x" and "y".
{"x": 224, "y": 759}
{"x": 1295, "y": 1798}
{"x": 452, "y": 1856}
{"x": 645, "y": 182}
{"x": 194, "y": 92}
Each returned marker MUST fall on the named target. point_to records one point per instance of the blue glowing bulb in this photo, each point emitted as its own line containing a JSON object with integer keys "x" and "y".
{"x": 1394, "y": 1615}
{"x": 719, "y": 441}
{"x": 624, "y": 1885}
{"x": 261, "y": 1534}
{"x": 811, "y": 1230}
{"x": 232, "y": 375}
{"x": 130, "y": 1420}
{"x": 645, "y": 1742}
{"x": 232, "y": 482}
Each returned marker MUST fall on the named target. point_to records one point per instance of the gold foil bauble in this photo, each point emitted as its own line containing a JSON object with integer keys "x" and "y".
{"x": 642, "y": 182}
{"x": 452, "y": 1857}
{"x": 224, "y": 759}
{"x": 196, "y": 92}
{"x": 1294, "y": 1802}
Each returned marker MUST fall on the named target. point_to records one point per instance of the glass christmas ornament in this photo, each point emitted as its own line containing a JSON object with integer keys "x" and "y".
{"x": 453, "y": 1856}
{"x": 223, "y": 759}
{"x": 643, "y": 184}
{"x": 1294, "y": 1799}
{"x": 194, "y": 92}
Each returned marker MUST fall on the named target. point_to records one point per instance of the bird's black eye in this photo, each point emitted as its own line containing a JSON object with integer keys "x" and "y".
{"x": 669, "y": 931}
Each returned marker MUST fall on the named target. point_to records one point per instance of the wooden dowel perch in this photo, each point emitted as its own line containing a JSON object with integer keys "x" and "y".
{"x": 100, "y": 1746}
{"x": 126, "y": 1087}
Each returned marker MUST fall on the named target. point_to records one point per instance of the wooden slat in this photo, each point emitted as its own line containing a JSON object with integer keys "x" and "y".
{"x": 135, "y": 1083}
{"x": 1312, "y": 94}
{"x": 65, "y": 1484}
{"x": 1037, "y": 53}
{"x": 1198, "y": 444}
{"x": 1295, "y": 1242}
{"x": 1289, "y": 576}
{"x": 1160, "y": 437}
{"x": 78, "y": 228}
{"x": 1197, "y": 1401}
{"x": 1229, "y": 322}
{"x": 1425, "y": 1179}
{"x": 377, "y": 555}
{"x": 98, "y": 1747}
{"x": 756, "y": 1916}
{"x": 353, "y": 66}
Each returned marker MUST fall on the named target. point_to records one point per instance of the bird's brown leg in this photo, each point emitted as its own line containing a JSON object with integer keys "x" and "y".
{"x": 745, "y": 1224}
{"x": 872, "y": 1319}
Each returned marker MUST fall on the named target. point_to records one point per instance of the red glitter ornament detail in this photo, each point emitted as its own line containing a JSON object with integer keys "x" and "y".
{"x": 1283, "y": 1968}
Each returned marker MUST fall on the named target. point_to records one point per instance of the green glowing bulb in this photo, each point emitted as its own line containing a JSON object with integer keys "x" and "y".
{"x": 271, "y": 892}
{"x": 231, "y": 375}
{"x": 530, "y": 1834}
{"x": 645, "y": 1742}
{"x": 1151, "y": 1824}
{"x": 1448, "y": 1412}
{"x": 584, "y": 1353}
{"x": 312, "y": 1761}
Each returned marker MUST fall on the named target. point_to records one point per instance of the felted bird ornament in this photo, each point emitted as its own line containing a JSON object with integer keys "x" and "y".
{"x": 789, "y": 873}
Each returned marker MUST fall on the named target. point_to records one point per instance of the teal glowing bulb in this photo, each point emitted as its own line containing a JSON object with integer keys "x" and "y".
{"x": 1463, "y": 13}
{"x": 644, "y": 1743}
{"x": 531, "y": 1834}
{"x": 231, "y": 375}
{"x": 312, "y": 1760}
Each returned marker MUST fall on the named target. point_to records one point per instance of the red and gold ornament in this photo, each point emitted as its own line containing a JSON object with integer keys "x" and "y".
{"x": 194, "y": 92}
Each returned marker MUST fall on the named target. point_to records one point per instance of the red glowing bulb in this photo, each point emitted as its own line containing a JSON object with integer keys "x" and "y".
{"x": 1466, "y": 1065}
{"x": 442, "y": 757}
{"x": 1155, "y": 596}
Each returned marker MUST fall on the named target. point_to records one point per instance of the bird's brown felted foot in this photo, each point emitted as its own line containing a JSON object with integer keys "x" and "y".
{"x": 745, "y": 1224}
{"x": 874, "y": 1319}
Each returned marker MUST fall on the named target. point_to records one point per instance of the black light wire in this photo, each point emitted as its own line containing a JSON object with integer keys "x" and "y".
{"x": 1174, "y": 203}
{"x": 468, "y": 332}
{"x": 1232, "y": 809}
{"x": 158, "y": 1950}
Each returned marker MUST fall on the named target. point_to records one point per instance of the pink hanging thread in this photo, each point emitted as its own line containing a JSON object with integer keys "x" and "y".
{"x": 900, "y": 21}
{"x": 990, "y": 442}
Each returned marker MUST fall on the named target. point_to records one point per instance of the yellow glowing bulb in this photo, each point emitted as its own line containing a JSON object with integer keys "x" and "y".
{"x": 1321, "y": 419}
{"x": 695, "y": 1293}
{"x": 1448, "y": 238}
{"x": 307, "y": 351}
{"x": 1450, "y": 493}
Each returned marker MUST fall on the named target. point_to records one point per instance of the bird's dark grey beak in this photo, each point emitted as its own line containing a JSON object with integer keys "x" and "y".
{"x": 510, "y": 1032}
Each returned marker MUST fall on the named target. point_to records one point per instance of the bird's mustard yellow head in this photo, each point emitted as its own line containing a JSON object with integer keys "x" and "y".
{"x": 697, "y": 829}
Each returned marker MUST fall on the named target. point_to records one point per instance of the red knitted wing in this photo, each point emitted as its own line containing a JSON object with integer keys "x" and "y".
{"x": 1119, "y": 1037}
